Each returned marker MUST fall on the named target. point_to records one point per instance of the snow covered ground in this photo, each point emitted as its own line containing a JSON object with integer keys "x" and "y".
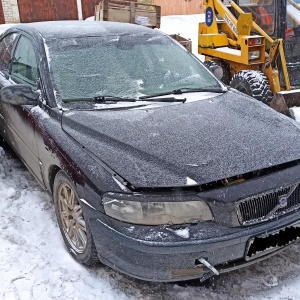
{"x": 34, "y": 263}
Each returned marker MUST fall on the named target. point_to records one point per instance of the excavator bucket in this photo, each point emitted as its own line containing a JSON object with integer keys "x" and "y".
{"x": 284, "y": 100}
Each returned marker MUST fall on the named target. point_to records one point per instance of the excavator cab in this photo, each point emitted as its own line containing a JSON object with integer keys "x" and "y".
{"x": 263, "y": 13}
{"x": 292, "y": 41}
{"x": 279, "y": 19}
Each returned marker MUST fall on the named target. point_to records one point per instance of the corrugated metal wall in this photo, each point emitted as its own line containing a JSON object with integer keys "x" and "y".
{"x": 46, "y": 10}
{"x": 88, "y": 7}
{"x": 2, "y": 20}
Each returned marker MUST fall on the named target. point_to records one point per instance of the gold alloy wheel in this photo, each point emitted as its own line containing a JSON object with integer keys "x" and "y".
{"x": 71, "y": 216}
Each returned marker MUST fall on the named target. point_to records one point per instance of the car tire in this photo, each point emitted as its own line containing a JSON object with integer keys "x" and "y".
{"x": 220, "y": 69}
{"x": 74, "y": 229}
{"x": 253, "y": 83}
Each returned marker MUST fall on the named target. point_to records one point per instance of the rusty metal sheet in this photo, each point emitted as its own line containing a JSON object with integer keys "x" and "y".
{"x": 2, "y": 20}
{"x": 88, "y": 7}
{"x": 47, "y": 10}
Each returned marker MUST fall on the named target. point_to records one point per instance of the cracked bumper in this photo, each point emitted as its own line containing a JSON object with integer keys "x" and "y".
{"x": 158, "y": 253}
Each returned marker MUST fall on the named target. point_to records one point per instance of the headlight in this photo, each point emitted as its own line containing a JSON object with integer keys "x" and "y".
{"x": 156, "y": 213}
{"x": 253, "y": 55}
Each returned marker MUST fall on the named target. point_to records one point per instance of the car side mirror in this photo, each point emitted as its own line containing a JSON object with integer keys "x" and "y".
{"x": 19, "y": 94}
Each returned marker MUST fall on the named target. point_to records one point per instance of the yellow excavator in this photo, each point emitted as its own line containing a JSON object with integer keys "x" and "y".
{"x": 254, "y": 46}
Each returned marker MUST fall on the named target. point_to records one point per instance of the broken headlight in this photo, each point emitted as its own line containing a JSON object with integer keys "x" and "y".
{"x": 156, "y": 213}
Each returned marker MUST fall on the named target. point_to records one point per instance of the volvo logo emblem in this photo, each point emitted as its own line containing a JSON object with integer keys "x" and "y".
{"x": 282, "y": 201}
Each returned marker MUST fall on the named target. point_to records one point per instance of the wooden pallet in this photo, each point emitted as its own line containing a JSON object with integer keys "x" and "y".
{"x": 187, "y": 43}
{"x": 129, "y": 12}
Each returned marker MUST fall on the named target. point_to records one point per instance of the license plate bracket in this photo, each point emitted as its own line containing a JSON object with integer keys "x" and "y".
{"x": 264, "y": 244}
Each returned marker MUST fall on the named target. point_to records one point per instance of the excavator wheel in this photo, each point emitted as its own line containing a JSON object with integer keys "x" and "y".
{"x": 253, "y": 83}
{"x": 220, "y": 69}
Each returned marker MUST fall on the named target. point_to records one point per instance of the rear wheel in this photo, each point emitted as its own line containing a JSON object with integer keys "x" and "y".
{"x": 220, "y": 69}
{"x": 75, "y": 230}
{"x": 253, "y": 83}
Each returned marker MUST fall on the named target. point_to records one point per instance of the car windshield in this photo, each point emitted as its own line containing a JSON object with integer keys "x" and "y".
{"x": 127, "y": 66}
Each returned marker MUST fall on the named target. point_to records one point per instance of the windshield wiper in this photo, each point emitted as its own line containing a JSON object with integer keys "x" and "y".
{"x": 100, "y": 99}
{"x": 112, "y": 99}
{"x": 186, "y": 90}
{"x": 165, "y": 99}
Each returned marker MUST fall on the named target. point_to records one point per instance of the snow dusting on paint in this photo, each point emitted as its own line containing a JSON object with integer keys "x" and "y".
{"x": 184, "y": 233}
{"x": 34, "y": 263}
{"x": 190, "y": 181}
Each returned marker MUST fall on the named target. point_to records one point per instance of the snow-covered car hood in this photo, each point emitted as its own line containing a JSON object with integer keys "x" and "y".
{"x": 187, "y": 143}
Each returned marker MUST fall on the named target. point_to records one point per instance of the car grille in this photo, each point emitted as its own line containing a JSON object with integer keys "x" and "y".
{"x": 265, "y": 206}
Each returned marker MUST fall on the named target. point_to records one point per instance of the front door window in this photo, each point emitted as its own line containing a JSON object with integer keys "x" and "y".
{"x": 24, "y": 65}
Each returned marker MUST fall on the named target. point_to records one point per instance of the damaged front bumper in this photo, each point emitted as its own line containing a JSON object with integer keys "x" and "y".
{"x": 166, "y": 253}
{"x": 236, "y": 237}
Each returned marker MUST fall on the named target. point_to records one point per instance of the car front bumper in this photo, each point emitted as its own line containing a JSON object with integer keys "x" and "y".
{"x": 168, "y": 253}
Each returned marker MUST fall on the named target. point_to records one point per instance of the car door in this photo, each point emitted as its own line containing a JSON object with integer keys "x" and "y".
{"x": 19, "y": 121}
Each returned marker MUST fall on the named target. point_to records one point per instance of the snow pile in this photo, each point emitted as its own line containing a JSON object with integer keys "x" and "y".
{"x": 6, "y": 192}
{"x": 34, "y": 263}
{"x": 183, "y": 232}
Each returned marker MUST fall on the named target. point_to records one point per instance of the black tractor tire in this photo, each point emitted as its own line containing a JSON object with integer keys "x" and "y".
{"x": 220, "y": 69}
{"x": 253, "y": 83}
{"x": 75, "y": 230}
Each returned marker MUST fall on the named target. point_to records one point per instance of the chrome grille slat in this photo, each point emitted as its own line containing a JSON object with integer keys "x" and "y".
{"x": 255, "y": 209}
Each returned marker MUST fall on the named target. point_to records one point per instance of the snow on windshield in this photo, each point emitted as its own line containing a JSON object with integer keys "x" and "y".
{"x": 123, "y": 66}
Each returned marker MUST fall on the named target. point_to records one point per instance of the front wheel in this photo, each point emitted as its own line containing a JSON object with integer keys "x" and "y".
{"x": 74, "y": 229}
{"x": 253, "y": 83}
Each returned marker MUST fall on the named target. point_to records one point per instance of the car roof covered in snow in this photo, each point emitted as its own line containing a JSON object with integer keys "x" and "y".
{"x": 69, "y": 29}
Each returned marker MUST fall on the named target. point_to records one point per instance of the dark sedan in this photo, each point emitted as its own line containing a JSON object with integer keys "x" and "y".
{"x": 156, "y": 168}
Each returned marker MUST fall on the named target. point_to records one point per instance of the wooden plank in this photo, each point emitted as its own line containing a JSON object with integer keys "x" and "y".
{"x": 128, "y": 16}
{"x": 128, "y": 12}
{"x": 132, "y": 12}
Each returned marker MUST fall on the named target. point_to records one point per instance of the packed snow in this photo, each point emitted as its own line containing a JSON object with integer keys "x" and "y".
{"x": 34, "y": 264}
{"x": 295, "y": 113}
